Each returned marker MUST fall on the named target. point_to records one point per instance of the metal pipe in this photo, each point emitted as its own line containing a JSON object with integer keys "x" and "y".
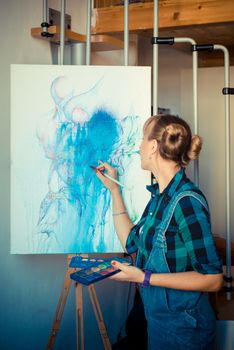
{"x": 45, "y": 11}
{"x": 62, "y": 31}
{"x": 195, "y": 111}
{"x": 88, "y": 32}
{"x": 78, "y": 54}
{"x": 45, "y": 25}
{"x": 195, "y": 98}
{"x": 126, "y": 33}
{"x": 155, "y": 61}
{"x": 227, "y": 166}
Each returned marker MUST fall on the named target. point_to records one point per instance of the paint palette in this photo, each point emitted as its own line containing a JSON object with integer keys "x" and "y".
{"x": 84, "y": 263}
{"x": 98, "y": 271}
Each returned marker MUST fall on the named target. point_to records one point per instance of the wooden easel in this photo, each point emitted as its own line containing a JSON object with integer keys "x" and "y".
{"x": 79, "y": 312}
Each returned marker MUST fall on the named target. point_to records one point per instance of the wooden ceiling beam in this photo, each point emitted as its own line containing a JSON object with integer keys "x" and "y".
{"x": 172, "y": 14}
{"x": 100, "y": 42}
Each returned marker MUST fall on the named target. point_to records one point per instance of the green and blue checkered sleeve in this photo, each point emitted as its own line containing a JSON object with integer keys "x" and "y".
{"x": 195, "y": 231}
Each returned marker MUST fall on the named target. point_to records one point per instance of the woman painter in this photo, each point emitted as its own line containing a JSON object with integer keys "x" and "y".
{"x": 177, "y": 262}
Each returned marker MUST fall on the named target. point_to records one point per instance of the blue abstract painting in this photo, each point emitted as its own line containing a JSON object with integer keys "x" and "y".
{"x": 64, "y": 119}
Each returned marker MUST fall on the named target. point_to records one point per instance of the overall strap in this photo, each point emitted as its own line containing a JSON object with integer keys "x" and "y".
{"x": 171, "y": 208}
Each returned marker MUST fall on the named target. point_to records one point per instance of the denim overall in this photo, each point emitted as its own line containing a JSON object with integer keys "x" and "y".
{"x": 176, "y": 319}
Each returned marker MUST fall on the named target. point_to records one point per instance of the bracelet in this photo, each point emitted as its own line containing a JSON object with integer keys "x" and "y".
{"x": 121, "y": 213}
{"x": 146, "y": 282}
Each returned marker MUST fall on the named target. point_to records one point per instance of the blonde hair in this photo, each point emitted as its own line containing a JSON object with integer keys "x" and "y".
{"x": 174, "y": 138}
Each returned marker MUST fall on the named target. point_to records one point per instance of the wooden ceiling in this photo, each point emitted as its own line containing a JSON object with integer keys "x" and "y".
{"x": 207, "y": 22}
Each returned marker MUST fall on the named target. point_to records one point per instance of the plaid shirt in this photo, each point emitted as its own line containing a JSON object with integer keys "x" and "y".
{"x": 188, "y": 248}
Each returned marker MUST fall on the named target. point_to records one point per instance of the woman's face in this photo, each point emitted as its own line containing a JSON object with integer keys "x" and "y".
{"x": 146, "y": 150}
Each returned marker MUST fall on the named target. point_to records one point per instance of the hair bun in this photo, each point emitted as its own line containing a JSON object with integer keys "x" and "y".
{"x": 173, "y": 143}
{"x": 195, "y": 147}
{"x": 174, "y": 133}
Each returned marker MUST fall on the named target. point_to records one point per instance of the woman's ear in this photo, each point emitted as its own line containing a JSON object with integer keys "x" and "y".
{"x": 154, "y": 146}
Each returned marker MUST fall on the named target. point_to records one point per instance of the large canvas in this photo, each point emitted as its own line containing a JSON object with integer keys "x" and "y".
{"x": 64, "y": 119}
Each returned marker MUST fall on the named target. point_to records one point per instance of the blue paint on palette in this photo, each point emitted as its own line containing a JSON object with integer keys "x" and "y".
{"x": 83, "y": 262}
{"x": 98, "y": 271}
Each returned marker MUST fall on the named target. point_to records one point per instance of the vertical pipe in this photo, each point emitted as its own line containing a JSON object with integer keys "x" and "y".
{"x": 155, "y": 61}
{"x": 62, "y": 31}
{"x": 195, "y": 98}
{"x": 88, "y": 32}
{"x": 45, "y": 11}
{"x": 227, "y": 166}
{"x": 126, "y": 34}
{"x": 78, "y": 54}
{"x": 45, "y": 25}
{"x": 195, "y": 110}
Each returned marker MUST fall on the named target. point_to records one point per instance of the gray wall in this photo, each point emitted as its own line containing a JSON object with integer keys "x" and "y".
{"x": 31, "y": 285}
{"x": 212, "y": 128}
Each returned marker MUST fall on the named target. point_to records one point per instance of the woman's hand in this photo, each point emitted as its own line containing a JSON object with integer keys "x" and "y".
{"x": 112, "y": 186}
{"x": 122, "y": 222}
{"x": 128, "y": 273}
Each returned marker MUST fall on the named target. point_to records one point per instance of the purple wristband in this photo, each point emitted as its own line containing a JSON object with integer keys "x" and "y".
{"x": 146, "y": 281}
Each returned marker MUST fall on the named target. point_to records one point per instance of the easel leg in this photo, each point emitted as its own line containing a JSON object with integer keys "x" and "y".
{"x": 99, "y": 317}
{"x": 79, "y": 313}
{"x": 79, "y": 317}
{"x": 59, "y": 311}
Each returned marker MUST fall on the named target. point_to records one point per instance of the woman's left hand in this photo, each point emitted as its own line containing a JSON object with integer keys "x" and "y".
{"x": 128, "y": 273}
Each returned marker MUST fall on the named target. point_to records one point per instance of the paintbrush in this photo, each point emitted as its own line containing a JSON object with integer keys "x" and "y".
{"x": 108, "y": 176}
